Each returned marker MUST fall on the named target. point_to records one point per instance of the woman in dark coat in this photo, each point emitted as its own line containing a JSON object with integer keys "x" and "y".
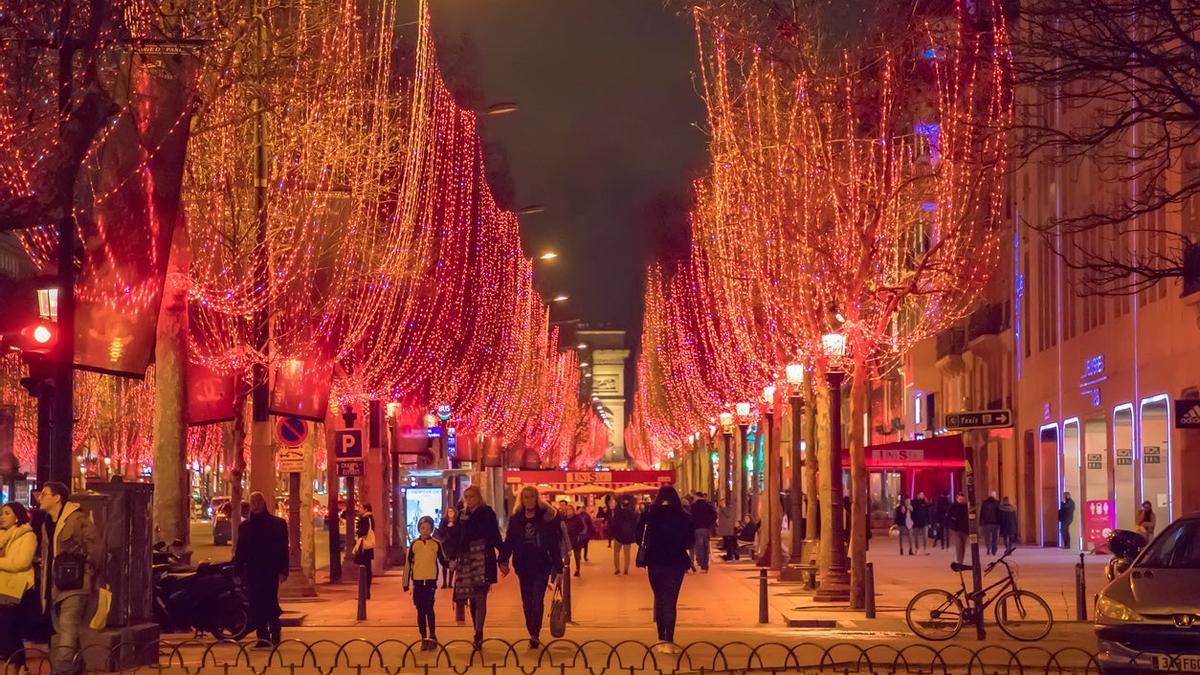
{"x": 364, "y": 545}
{"x": 445, "y": 534}
{"x": 476, "y": 545}
{"x": 668, "y": 535}
{"x": 534, "y": 542}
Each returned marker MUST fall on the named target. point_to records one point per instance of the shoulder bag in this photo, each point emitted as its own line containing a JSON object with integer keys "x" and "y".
{"x": 641, "y": 552}
{"x": 558, "y": 610}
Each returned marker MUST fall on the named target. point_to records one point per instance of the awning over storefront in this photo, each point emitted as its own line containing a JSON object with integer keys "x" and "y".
{"x": 560, "y": 481}
{"x": 938, "y": 452}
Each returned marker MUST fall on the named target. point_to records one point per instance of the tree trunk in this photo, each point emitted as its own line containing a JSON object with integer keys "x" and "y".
{"x": 773, "y": 488}
{"x": 859, "y": 521}
{"x": 172, "y": 500}
{"x": 812, "y": 439}
{"x": 237, "y": 464}
{"x": 824, "y": 484}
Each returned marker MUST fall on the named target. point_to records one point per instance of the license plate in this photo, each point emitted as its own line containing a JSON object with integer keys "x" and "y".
{"x": 1183, "y": 663}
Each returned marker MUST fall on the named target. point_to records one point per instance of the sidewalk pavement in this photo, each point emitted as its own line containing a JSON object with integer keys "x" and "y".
{"x": 1048, "y": 572}
{"x": 721, "y": 605}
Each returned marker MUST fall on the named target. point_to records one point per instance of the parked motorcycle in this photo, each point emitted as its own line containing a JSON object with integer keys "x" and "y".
{"x": 206, "y": 599}
{"x": 1125, "y": 546}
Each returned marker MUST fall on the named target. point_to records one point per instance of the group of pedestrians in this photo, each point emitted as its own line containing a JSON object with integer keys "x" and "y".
{"x": 51, "y": 562}
{"x": 947, "y": 524}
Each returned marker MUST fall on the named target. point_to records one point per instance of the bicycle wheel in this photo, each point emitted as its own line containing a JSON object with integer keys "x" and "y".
{"x": 1024, "y": 616}
{"x": 934, "y": 614}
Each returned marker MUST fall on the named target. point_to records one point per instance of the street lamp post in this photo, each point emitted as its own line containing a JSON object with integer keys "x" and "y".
{"x": 742, "y": 478}
{"x": 772, "y": 484}
{"x": 726, "y": 458}
{"x": 794, "y": 572}
{"x": 835, "y": 575}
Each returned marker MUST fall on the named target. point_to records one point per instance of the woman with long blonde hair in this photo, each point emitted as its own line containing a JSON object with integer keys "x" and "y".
{"x": 534, "y": 543}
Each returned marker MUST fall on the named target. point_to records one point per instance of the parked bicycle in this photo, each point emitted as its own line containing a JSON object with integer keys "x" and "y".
{"x": 935, "y": 614}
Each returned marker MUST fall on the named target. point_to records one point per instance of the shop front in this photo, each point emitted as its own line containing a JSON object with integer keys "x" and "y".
{"x": 555, "y": 484}
{"x": 933, "y": 466}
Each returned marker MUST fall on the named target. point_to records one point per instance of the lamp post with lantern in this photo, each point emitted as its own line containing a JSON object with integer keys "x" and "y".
{"x": 726, "y": 486}
{"x": 833, "y": 571}
{"x": 802, "y": 525}
{"x": 741, "y": 474}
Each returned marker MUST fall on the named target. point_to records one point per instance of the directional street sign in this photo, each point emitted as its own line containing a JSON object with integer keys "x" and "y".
{"x": 979, "y": 419}
{"x": 346, "y": 469}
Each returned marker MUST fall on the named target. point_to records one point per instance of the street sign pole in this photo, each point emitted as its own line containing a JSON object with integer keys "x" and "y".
{"x": 973, "y": 531}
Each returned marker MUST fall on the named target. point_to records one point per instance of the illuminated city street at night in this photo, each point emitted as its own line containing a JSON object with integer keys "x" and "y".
{"x": 599, "y": 336}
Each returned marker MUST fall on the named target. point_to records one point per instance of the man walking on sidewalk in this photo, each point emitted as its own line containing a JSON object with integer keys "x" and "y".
{"x": 704, "y": 517}
{"x": 72, "y": 558}
{"x": 989, "y": 523}
{"x": 622, "y": 531}
{"x": 261, "y": 561}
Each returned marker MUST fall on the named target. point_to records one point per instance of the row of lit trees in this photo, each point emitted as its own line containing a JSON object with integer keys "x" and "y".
{"x": 852, "y": 209}
{"x": 315, "y": 198}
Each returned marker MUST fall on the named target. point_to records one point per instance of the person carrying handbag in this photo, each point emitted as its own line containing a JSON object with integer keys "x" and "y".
{"x": 72, "y": 556}
{"x": 667, "y": 535}
{"x": 18, "y": 545}
{"x": 533, "y": 541}
{"x": 364, "y": 543}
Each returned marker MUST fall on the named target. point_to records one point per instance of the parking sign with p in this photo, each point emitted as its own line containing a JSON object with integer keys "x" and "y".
{"x": 347, "y": 444}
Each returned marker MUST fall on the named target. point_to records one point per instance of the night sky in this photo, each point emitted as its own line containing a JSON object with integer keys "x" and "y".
{"x": 607, "y": 127}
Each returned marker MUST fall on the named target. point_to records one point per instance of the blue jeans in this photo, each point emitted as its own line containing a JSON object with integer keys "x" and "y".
{"x": 700, "y": 551}
{"x": 67, "y": 617}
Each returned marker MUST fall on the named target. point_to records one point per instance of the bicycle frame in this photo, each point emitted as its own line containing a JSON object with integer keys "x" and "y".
{"x": 971, "y": 601}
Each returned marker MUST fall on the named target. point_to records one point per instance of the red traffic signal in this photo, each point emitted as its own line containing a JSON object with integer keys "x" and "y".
{"x": 36, "y": 338}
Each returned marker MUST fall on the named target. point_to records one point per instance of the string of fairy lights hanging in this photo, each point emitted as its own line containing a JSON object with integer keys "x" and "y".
{"x": 860, "y": 193}
{"x": 333, "y": 185}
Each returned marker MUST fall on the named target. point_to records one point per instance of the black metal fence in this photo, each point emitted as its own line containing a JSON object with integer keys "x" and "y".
{"x": 595, "y": 657}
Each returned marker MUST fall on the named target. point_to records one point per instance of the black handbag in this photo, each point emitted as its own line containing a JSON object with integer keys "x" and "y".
{"x": 641, "y": 552}
{"x": 68, "y": 571}
{"x": 558, "y": 611}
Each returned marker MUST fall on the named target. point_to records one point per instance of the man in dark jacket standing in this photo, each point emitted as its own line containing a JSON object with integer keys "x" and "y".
{"x": 704, "y": 517}
{"x": 958, "y": 523}
{"x": 622, "y": 529}
{"x": 261, "y": 560}
{"x": 989, "y": 523}
{"x": 1066, "y": 516}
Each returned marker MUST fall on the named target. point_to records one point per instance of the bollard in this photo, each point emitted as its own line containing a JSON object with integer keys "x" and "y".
{"x": 567, "y": 588}
{"x": 1080, "y": 591}
{"x": 869, "y": 583}
{"x": 762, "y": 596}
{"x": 362, "y": 592}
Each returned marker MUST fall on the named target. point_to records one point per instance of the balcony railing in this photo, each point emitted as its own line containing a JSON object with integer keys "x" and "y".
{"x": 951, "y": 342}
{"x": 991, "y": 319}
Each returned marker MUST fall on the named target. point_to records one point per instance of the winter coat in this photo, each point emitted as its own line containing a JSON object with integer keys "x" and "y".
{"x": 669, "y": 536}
{"x": 577, "y": 531}
{"x": 958, "y": 519}
{"x": 1008, "y": 520}
{"x": 903, "y": 517}
{"x": 920, "y": 513}
{"x": 622, "y": 525}
{"x": 445, "y": 534}
{"x": 74, "y": 534}
{"x": 704, "y": 516}
{"x": 726, "y": 521}
{"x": 989, "y": 512}
{"x": 1066, "y": 511}
{"x": 941, "y": 509}
{"x": 545, "y": 557}
{"x": 262, "y": 547}
{"x": 479, "y": 525}
{"x": 19, "y": 545}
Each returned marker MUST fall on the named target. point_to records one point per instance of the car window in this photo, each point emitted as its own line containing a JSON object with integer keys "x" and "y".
{"x": 1177, "y": 548}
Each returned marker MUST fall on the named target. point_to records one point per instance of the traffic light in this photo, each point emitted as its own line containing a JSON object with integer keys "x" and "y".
{"x": 38, "y": 338}
{"x": 35, "y": 342}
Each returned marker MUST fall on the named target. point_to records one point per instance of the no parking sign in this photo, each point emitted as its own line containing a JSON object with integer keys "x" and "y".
{"x": 291, "y": 432}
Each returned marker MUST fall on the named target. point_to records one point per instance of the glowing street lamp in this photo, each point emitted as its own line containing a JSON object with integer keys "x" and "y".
{"x": 794, "y": 374}
{"x": 560, "y": 298}
{"x": 835, "y": 584}
{"x": 48, "y": 303}
{"x": 548, "y": 255}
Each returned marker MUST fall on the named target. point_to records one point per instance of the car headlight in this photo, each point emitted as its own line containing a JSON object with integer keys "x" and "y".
{"x": 1107, "y": 608}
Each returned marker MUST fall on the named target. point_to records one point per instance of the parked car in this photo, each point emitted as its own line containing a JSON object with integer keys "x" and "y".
{"x": 222, "y": 529}
{"x": 1148, "y": 617}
